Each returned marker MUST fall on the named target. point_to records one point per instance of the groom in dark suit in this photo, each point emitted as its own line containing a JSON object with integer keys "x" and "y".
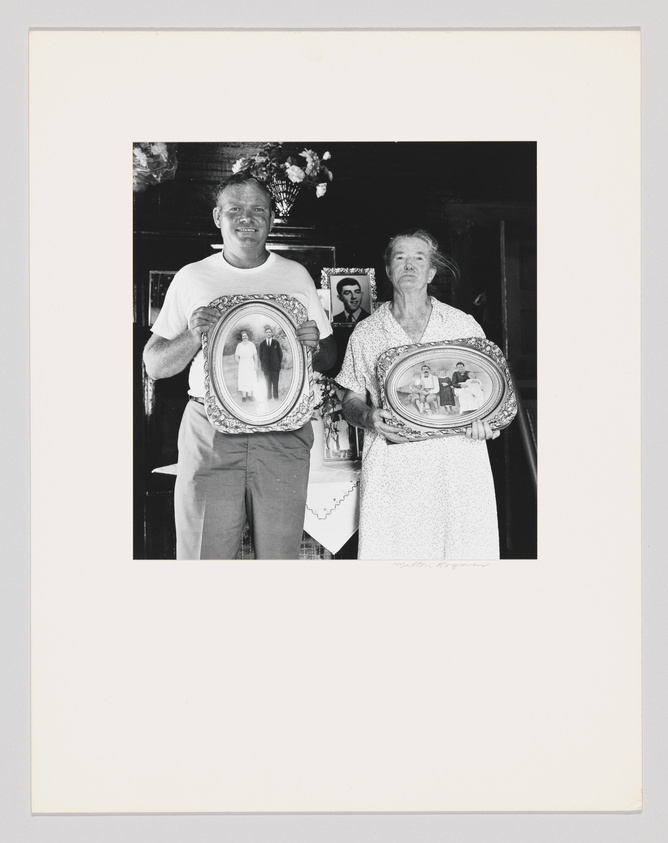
{"x": 271, "y": 357}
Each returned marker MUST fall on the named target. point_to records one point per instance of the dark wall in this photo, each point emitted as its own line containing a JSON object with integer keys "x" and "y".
{"x": 460, "y": 192}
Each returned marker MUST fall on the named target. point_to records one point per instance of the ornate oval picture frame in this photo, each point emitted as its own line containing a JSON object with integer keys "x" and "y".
{"x": 257, "y": 375}
{"x": 440, "y": 388}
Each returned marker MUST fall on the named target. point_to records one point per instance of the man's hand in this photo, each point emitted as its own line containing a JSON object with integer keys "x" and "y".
{"x": 202, "y": 320}
{"x": 164, "y": 358}
{"x": 308, "y": 334}
{"x": 324, "y": 353}
{"x": 481, "y": 430}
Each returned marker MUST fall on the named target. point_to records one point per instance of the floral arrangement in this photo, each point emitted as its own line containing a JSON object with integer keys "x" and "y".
{"x": 326, "y": 396}
{"x": 284, "y": 174}
{"x": 152, "y": 163}
{"x": 274, "y": 162}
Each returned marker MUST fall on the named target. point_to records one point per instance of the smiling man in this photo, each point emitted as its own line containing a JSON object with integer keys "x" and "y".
{"x": 224, "y": 480}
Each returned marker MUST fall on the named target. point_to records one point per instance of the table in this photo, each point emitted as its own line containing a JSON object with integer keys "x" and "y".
{"x": 332, "y": 504}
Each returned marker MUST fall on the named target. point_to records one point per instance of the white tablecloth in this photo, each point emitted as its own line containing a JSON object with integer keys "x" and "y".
{"x": 332, "y": 504}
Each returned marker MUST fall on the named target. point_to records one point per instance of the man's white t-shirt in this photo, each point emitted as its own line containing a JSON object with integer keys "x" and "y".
{"x": 198, "y": 284}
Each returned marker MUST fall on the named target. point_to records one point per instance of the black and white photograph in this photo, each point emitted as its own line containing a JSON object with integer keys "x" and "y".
{"x": 256, "y": 370}
{"x": 341, "y": 441}
{"x": 351, "y": 294}
{"x": 419, "y": 258}
{"x": 280, "y": 620}
{"x": 441, "y": 388}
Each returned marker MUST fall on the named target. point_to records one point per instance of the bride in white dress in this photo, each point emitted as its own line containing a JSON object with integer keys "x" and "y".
{"x": 246, "y": 356}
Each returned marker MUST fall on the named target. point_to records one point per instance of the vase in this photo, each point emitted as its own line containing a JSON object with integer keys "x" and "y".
{"x": 318, "y": 447}
{"x": 284, "y": 194}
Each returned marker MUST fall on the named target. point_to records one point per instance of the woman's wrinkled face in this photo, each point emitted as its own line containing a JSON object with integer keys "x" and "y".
{"x": 410, "y": 264}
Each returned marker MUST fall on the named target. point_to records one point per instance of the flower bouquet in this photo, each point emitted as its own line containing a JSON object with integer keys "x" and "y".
{"x": 152, "y": 163}
{"x": 284, "y": 174}
{"x": 326, "y": 395}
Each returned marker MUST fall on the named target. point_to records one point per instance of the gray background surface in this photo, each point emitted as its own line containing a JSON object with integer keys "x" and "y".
{"x": 16, "y": 823}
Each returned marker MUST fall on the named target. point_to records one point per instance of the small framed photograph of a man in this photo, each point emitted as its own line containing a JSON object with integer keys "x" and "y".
{"x": 352, "y": 293}
{"x": 258, "y": 376}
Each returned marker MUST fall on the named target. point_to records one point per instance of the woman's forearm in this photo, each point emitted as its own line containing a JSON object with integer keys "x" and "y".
{"x": 357, "y": 412}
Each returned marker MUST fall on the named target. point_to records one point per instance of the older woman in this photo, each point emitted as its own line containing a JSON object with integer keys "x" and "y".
{"x": 442, "y": 486}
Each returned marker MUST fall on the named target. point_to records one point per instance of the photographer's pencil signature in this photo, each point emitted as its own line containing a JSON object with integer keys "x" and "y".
{"x": 440, "y": 564}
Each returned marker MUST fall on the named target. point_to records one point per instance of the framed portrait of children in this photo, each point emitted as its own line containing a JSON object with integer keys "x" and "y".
{"x": 439, "y": 389}
{"x": 352, "y": 294}
{"x": 257, "y": 375}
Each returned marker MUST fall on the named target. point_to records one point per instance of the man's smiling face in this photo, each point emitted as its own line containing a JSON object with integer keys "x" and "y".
{"x": 244, "y": 217}
{"x": 351, "y": 296}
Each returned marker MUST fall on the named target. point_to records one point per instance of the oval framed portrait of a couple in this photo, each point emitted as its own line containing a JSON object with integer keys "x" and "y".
{"x": 258, "y": 376}
{"x": 439, "y": 389}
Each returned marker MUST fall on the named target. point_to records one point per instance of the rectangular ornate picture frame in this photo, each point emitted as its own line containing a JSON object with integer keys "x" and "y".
{"x": 250, "y": 388}
{"x": 341, "y": 441}
{"x": 439, "y": 389}
{"x": 352, "y": 293}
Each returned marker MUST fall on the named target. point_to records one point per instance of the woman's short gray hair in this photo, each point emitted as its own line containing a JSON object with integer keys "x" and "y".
{"x": 437, "y": 260}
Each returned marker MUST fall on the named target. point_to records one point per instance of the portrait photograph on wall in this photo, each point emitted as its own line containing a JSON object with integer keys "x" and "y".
{"x": 352, "y": 293}
{"x": 336, "y": 208}
{"x": 341, "y": 441}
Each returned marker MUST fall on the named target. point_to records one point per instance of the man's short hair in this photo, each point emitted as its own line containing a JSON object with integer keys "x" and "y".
{"x": 346, "y": 282}
{"x": 237, "y": 179}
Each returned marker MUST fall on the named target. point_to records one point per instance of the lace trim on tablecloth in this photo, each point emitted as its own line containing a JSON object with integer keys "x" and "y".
{"x": 337, "y": 503}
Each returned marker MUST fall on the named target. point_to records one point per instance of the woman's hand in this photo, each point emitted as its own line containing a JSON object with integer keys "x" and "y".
{"x": 380, "y": 425}
{"x": 481, "y": 430}
{"x": 358, "y": 413}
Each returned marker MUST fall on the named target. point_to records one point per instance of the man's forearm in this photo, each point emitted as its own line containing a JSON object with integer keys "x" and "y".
{"x": 164, "y": 358}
